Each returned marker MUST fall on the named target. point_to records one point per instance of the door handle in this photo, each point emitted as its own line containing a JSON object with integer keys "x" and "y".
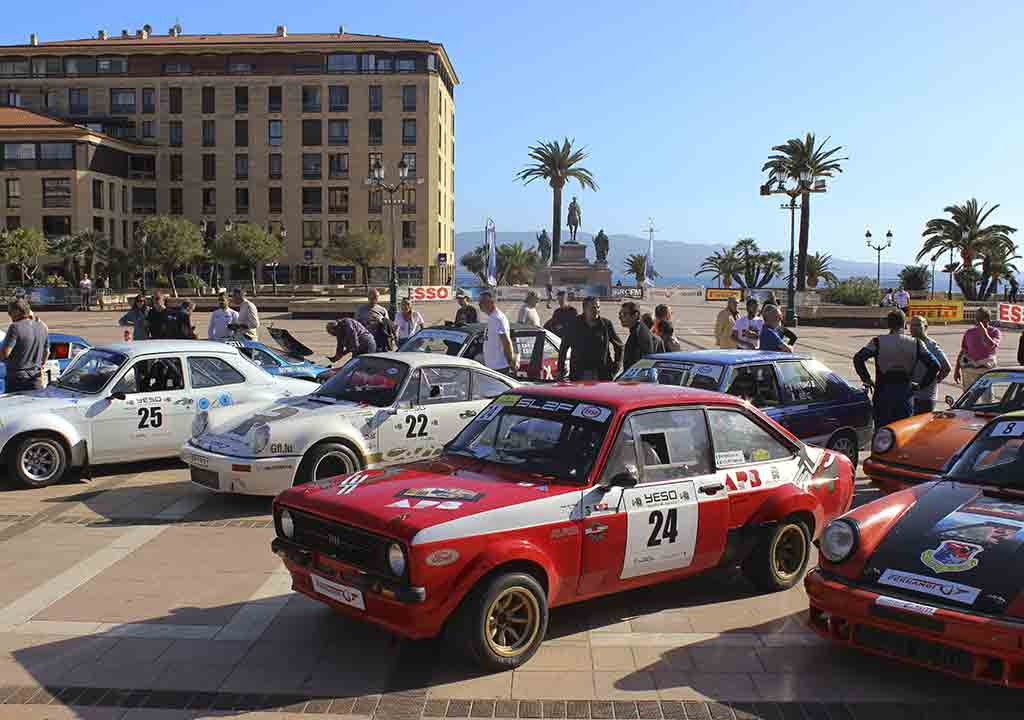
{"x": 468, "y": 414}
{"x": 711, "y": 489}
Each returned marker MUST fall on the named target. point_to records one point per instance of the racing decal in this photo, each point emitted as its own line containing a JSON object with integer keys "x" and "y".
{"x": 284, "y": 448}
{"x": 930, "y": 586}
{"x": 275, "y": 414}
{"x": 742, "y": 480}
{"x": 347, "y": 485}
{"x": 150, "y": 417}
{"x": 425, "y": 505}
{"x": 441, "y": 494}
{"x": 563, "y": 533}
{"x": 760, "y": 455}
{"x": 490, "y": 412}
{"x": 416, "y": 425}
{"x": 592, "y": 412}
{"x": 1008, "y": 429}
{"x": 729, "y": 457}
{"x": 952, "y": 556}
{"x": 204, "y": 403}
{"x": 224, "y": 399}
{"x": 551, "y": 406}
{"x": 905, "y": 605}
{"x": 507, "y": 399}
{"x": 775, "y": 473}
{"x": 661, "y": 528}
{"x": 442, "y": 558}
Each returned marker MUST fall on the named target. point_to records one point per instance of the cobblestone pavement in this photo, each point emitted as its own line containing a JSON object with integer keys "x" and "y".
{"x": 138, "y": 595}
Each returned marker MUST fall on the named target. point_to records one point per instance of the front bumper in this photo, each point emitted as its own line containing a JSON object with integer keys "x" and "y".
{"x": 891, "y": 478}
{"x": 242, "y": 475}
{"x": 973, "y": 647}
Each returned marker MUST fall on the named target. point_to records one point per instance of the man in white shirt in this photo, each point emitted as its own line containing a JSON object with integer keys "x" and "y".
{"x": 902, "y": 299}
{"x": 747, "y": 330}
{"x": 498, "y": 352}
{"x": 85, "y": 291}
{"x": 220, "y": 319}
{"x": 248, "y": 322}
{"x": 528, "y": 314}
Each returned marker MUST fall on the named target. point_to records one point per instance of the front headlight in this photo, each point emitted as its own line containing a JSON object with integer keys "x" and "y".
{"x": 839, "y": 540}
{"x": 200, "y": 423}
{"x": 258, "y": 437}
{"x": 396, "y": 559}
{"x": 287, "y": 524}
{"x": 883, "y": 441}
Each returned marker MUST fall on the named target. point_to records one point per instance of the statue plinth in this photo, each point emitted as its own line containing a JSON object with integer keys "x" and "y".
{"x": 573, "y": 270}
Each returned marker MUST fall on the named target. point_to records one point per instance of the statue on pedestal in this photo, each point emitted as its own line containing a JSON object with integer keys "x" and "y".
{"x": 575, "y": 219}
{"x": 544, "y": 246}
{"x": 601, "y": 246}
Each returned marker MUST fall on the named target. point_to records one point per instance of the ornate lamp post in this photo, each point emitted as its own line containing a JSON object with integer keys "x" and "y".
{"x": 376, "y": 180}
{"x": 878, "y": 249}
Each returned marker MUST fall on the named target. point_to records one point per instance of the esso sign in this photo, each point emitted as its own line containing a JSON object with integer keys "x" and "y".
{"x": 428, "y": 293}
{"x": 1013, "y": 314}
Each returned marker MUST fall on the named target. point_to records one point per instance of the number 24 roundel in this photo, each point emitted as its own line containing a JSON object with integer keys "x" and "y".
{"x": 660, "y": 538}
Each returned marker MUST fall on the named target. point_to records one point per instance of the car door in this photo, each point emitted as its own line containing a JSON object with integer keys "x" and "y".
{"x": 757, "y": 384}
{"x": 525, "y": 345}
{"x": 445, "y": 398}
{"x": 215, "y": 383}
{"x": 153, "y": 419}
{"x": 806, "y": 410}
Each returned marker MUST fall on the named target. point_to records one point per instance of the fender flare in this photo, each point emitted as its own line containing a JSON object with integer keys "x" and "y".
{"x": 784, "y": 502}
{"x": 48, "y": 422}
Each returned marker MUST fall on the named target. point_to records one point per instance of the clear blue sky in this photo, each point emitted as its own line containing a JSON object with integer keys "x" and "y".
{"x": 679, "y": 104}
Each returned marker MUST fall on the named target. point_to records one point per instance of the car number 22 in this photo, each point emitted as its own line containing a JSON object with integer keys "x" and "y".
{"x": 150, "y": 417}
{"x": 416, "y": 426}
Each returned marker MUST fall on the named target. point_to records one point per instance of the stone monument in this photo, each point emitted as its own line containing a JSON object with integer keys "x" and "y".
{"x": 572, "y": 270}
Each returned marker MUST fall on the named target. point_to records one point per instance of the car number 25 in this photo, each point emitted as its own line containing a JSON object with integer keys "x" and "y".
{"x": 150, "y": 417}
{"x": 416, "y": 426}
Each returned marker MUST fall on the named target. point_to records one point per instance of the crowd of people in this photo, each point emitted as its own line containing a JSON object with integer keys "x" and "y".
{"x": 157, "y": 319}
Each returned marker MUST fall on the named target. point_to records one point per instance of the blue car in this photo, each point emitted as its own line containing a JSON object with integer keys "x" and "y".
{"x": 288, "y": 359}
{"x": 798, "y": 392}
{"x": 63, "y": 350}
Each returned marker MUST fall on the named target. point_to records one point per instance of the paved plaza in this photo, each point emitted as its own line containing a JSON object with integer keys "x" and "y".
{"x": 136, "y": 595}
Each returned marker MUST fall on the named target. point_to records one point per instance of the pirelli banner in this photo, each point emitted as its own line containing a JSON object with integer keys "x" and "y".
{"x": 937, "y": 310}
{"x": 722, "y": 294}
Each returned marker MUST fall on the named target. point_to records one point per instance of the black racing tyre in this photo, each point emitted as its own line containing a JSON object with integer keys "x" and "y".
{"x": 38, "y": 461}
{"x": 779, "y": 560}
{"x": 502, "y": 622}
{"x": 846, "y": 443}
{"x": 328, "y": 459}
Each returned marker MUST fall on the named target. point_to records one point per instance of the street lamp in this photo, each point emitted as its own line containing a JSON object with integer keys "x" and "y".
{"x": 376, "y": 180}
{"x": 878, "y": 249}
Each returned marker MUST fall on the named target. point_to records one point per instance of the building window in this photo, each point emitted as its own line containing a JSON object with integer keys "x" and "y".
{"x": 105, "y": 66}
{"x": 311, "y": 166}
{"x": 408, "y": 200}
{"x": 337, "y": 229}
{"x": 241, "y": 167}
{"x": 342, "y": 63}
{"x": 311, "y": 230}
{"x": 275, "y": 166}
{"x": 337, "y": 96}
{"x": 385, "y": 64}
{"x": 122, "y": 101}
{"x": 337, "y": 132}
{"x": 274, "y": 133}
{"x": 78, "y": 101}
{"x": 376, "y": 131}
{"x": 174, "y": 133}
{"x": 408, "y": 98}
{"x": 209, "y": 167}
{"x": 148, "y": 130}
{"x": 376, "y": 98}
{"x": 242, "y": 99}
{"x": 13, "y": 193}
{"x": 50, "y": 101}
{"x": 409, "y": 158}
{"x": 177, "y": 201}
{"x": 13, "y": 222}
{"x": 337, "y": 199}
{"x": 209, "y": 104}
{"x": 375, "y": 227}
{"x": 54, "y": 156}
{"x": 40, "y": 66}
{"x": 337, "y": 164}
{"x": 312, "y": 132}
{"x": 112, "y": 198}
{"x": 112, "y": 231}
{"x": 367, "y": 62}
{"x": 373, "y": 160}
{"x": 177, "y": 68}
{"x": 376, "y": 201}
{"x": 209, "y": 133}
{"x": 174, "y": 100}
{"x": 148, "y": 100}
{"x": 97, "y": 194}
{"x": 274, "y": 99}
{"x": 209, "y": 201}
{"x": 275, "y": 199}
{"x": 407, "y": 64}
{"x": 55, "y": 226}
{"x": 408, "y": 132}
{"x": 241, "y": 68}
{"x": 242, "y": 201}
{"x": 176, "y": 168}
{"x": 124, "y": 198}
{"x": 312, "y": 200}
{"x": 408, "y": 234}
{"x": 18, "y": 156}
{"x": 241, "y": 133}
{"x": 143, "y": 201}
{"x": 310, "y": 98}
{"x": 56, "y": 192}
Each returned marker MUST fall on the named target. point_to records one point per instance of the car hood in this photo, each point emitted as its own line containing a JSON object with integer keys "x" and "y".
{"x": 279, "y": 413}
{"x": 959, "y": 545}
{"x": 287, "y": 342}
{"x": 403, "y": 501}
{"x": 929, "y": 440}
{"x": 49, "y": 398}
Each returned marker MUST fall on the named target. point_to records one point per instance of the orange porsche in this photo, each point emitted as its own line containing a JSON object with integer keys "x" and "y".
{"x": 916, "y": 450}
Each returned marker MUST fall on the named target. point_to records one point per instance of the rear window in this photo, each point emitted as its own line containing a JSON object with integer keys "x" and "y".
{"x": 700, "y": 376}
{"x": 442, "y": 342}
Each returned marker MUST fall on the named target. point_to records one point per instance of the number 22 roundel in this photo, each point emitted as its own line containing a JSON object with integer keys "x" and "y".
{"x": 662, "y": 530}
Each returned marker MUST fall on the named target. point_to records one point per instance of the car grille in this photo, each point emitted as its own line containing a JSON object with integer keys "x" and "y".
{"x": 206, "y": 478}
{"x": 915, "y": 649}
{"x": 344, "y": 543}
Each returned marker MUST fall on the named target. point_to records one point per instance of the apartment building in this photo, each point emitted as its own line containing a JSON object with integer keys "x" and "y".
{"x": 279, "y": 130}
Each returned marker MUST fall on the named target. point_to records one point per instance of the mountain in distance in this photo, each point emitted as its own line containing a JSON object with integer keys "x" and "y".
{"x": 677, "y": 262}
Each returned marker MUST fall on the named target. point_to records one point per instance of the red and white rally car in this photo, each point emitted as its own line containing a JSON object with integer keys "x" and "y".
{"x": 558, "y": 494}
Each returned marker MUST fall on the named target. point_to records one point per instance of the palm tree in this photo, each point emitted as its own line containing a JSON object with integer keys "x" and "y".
{"x": 915, "y": 277}
{"x": 769, "y": 266}
{"x": 636, "y": 265}
{"x": 516, "y": 263}
{"x": 790, "y": 161}
{"x": 557, "y": 164}
{"x": 997, "y": 266}
{"x": 725, "y": 265}
{"x": 819, "y": 267}
{"x": 89, "y": 247}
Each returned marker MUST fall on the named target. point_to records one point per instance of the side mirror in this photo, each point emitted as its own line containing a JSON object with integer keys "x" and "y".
{"x": 117, "y": 396}
{"x": 950, "y": 401}
{"x": 624, "y": 479}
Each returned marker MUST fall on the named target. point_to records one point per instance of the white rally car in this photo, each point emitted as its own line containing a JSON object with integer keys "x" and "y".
{"x": 377, "y": 410}
{"x": 128, "y": 401}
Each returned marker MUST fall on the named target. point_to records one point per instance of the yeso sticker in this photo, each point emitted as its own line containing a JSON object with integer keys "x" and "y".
{"x": 593, "y": 412}
{"x": 729, "y": 457}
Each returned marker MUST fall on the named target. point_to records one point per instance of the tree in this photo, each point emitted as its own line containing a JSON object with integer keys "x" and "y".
{"x": 168, "y": 243}
{"x": 997, "y": 266}
{"x": 557, "y": 164}
{"x": 915, "y": 277}
{"x": 475, "y": 261}
{"x": 724, "y": 266}
{"x": 357, "y": 247}
{"x": 23, "y": 247}
{"x": 636, "y": 265}
{"x": 790, "y": 161}
{"x": 516, "y": 264}
{"x": 819, "y": 267}
{"x": 88, "y": 247}
{"x": 251, "y": 246}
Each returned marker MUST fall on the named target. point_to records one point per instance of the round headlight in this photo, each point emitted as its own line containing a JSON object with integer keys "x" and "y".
{"x": 287, "y": 524}
{"x": 883, "y": 441}
{"x": 199, "y": 423}
{"x": 259, "y": 436}
{"x": 839, "y": 540}
{"x": 396, "y": 559}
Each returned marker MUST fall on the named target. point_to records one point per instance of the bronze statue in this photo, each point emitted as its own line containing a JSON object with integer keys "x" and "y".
{"x": 544, "y": 246}
{"x": 575, "y": 219}
{"x": 601, "y": 246}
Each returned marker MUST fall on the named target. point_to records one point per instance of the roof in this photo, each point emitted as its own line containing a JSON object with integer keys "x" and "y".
{"x": 627, "y": 395}
{"x": 728, "y": 357}
{"x": 17, "y": 122}
{"x": 61, "y": 337}
{"x": 479, "y": 327}
{"x": 226, "y": 39}
{"x": 21, "y": 118}
{"x": 148, "y": 347}
{"x": 419, "y": 359}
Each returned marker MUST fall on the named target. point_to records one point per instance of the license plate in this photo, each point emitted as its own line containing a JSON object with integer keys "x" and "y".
{"x": 198, "y": 461}
{"x": 342, "y": 593}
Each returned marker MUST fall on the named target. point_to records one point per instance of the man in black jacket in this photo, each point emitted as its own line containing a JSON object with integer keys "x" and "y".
{"x": 640, "y": 341}
{"x": 588, "y": 336}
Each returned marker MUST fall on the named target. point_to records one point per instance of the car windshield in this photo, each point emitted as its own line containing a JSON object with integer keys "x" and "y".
{"x": 92, "y": 370}
{"x": 559, "y": 440}
{"x": 994, "y": 457}
{"x": 701, "y": 376}
{"x": 431, "y": 340}
{"x": 370, "y": 380}
{"x": 995, "y": 392}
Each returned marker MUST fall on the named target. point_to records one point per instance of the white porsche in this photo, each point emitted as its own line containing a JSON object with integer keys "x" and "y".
{"x": 378, "y": 410}
{"x": 128, "y": 401}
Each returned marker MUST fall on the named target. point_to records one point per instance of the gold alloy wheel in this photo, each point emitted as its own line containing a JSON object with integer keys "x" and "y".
{"x": 511, "y": 622}
{"x": 789, "y": 552}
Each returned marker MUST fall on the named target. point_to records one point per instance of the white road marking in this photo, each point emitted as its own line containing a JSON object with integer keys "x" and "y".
{"x": 260, "y": 609}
